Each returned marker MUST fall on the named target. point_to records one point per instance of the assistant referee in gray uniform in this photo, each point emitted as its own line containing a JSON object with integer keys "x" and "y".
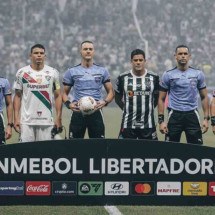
{"x": 182, "y": 84}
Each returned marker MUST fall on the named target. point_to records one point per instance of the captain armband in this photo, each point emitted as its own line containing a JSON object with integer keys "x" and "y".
{"x": 213, "y": 120}
{"x": 67, "y": 104}
{"x": 160, "y": 118}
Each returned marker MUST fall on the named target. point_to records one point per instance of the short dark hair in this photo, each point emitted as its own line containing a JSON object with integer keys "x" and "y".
{"x": 86, "y": 41}
{"x": 37, "y": 46}
{"x": 137, "y": 52}
{"x": 182, "y": 46}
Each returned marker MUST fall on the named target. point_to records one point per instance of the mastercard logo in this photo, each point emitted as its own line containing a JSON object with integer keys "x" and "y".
{"x": 142, "y": 188}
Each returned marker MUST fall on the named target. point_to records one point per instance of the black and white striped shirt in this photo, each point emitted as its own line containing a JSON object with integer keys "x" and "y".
{"x": 139, "y": 95}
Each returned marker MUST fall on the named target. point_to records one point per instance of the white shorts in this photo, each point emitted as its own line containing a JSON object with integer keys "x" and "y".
{"x": 31, "y": 133}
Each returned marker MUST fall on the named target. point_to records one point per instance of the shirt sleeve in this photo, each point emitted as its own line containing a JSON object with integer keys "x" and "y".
{"x": 119, "y": 85}
{"x": 18, "y": 81}
{"x": 67, "y": 78}
{"x": 106, "y": 76}
{"x": 164, "y": 83}
{"x": 201, "y": 81}
{"x": 7, "y": 89}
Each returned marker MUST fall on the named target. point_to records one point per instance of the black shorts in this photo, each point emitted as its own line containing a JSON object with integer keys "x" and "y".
{"x": 187, "y": 121}
{"x": 2, "y": 132}
{"x": 146, "y": 133}
{"x": 93, "y": 123}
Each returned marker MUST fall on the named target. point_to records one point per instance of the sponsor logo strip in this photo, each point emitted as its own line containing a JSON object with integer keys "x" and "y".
{"x": 211, "y": 189}
{"x": 168, "y": 188}
{"x": 142, "y": 188}
{"x": 38, "y": 188}
{"x": 11, "y": 188}
{"x": 90, "y": 188}
{"x": 195, "y": 188}
{"x": 64, "y": 188}
{"x": 116, "y": 188}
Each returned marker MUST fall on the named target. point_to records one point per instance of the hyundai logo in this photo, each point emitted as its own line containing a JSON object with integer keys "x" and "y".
{"x": 116, "y": 186}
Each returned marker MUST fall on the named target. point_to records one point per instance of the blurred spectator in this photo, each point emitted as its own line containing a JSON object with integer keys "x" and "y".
{"x": 62, "y": 24}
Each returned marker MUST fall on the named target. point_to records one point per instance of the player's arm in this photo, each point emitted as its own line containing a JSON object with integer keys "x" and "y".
{"x": 58, "y": 107}
{"x": 156, "y": 91}
{"x": 118, "y": 100}
{"x": 161, "y": 100}
{"x": 109, "y": 97}
{"x": 70, "y": 105}
{"x": 205, "y": 106}
{"x": 9, "y": 109}
{"x": 16, "y": 107}
{"x": 212, "y": 109}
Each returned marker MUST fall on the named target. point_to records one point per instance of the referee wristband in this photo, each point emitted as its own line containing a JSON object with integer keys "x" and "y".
{"x": 160, "y": 118}
{"x": 213, "y": 120}
{"x": 67, "y": 104}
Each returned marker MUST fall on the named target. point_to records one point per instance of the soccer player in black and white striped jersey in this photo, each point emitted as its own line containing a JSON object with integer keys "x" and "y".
{"x": 136, "y": 93}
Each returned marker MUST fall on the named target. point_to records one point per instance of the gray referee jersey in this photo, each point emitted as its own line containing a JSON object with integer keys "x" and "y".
{"x": 139, "y": 94}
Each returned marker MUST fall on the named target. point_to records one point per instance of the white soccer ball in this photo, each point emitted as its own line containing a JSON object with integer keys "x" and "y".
{"x": 87, "y": 105}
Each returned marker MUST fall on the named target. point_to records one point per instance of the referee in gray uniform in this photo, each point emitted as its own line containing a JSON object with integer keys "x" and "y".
{"x": 182, "y": 84}
{"x": 5, "y": 95}
{"x": 87, "y": 79}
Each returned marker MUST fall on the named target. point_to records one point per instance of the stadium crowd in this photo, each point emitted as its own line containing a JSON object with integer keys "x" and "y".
{"x": 62, "y": 24}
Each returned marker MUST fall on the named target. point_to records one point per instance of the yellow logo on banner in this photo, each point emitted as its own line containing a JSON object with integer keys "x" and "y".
{"x": 194, "y": 188}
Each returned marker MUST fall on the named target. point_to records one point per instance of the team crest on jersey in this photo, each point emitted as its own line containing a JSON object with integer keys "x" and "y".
{"x": 193, "y": 82}
{"x": 39, "y": 113}
{"x": 130, "y": 93}
{"x": 148, "y": 83}
{"x": 97, "y": 79}
{"x": 48, "y": 77}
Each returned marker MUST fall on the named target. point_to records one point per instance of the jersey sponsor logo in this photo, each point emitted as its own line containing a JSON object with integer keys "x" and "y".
{"x": 38, "y": 188}
{"x": 211, "y": 189}
{"x": 143, "y": 188}
{"x": 168, "y": 188}
{"x": 116, "y": 188}
{"x": 64, "y": 188}
{"x": 138, "y": 123}
{"x": 90, "y": 188}
{"x": 138, "y": 93}
{"x": 11, "y": 188}
{"x": 194, "y": 188}
{"x": 35, "y": 86}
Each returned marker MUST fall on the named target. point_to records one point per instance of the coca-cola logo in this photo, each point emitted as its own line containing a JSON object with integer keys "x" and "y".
{"x": 38, "y": 188}
{"x": 41, "y": 188}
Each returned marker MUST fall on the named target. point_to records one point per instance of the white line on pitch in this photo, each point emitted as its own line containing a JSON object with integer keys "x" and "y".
{"x": 112, "y": 210}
